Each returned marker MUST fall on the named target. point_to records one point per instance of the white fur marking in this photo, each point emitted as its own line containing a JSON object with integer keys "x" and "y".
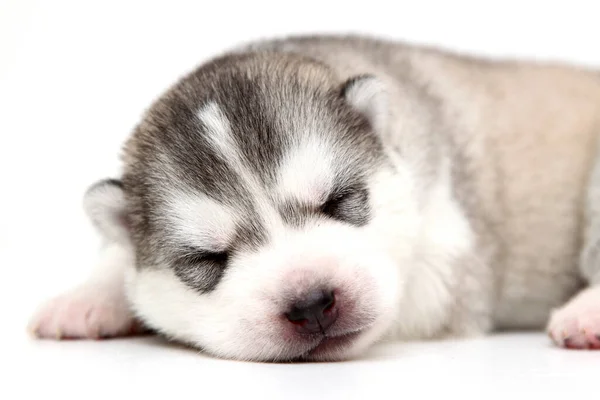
{"x": 219, "y": 131}
{"x": 200, "y": 221}
{"x": 306, "y": 173}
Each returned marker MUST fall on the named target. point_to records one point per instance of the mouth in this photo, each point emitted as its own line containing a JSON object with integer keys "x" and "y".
{"x": 330, "y": 346}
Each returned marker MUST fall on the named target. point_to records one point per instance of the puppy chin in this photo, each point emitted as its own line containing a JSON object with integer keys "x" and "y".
{"x": 347, "y": 346}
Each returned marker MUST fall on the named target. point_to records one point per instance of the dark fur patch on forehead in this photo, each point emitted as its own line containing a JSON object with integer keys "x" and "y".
{"x": 268, "y": 98}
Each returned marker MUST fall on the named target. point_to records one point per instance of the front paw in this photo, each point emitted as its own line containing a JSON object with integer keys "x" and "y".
{"x": 87, "y": 312}
{"x": 577, "y": 324}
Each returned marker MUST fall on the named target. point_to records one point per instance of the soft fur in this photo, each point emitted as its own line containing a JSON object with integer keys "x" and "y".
{"x": 435, "y": 194}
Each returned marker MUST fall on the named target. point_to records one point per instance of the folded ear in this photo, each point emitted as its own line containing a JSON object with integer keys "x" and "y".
{"x": 104, "y": 203}
{"x": 367, "y": 94}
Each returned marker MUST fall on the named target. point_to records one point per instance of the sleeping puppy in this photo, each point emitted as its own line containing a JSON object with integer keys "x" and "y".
{"x": 304, "y": 198}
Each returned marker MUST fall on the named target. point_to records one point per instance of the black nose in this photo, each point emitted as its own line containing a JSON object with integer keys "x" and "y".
{"x": 314, "y": 313}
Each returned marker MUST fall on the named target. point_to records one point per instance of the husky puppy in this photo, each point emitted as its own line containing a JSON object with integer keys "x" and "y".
{"x": 304, "y": 198}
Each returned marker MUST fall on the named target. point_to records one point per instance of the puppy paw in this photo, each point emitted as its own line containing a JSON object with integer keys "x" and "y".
{"x": 577, "y": 324}
{"x": 87, "y": 312}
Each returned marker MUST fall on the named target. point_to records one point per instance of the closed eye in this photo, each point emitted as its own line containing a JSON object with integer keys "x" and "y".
{"x": 201, "y": 269}
{"x": 349, "y": 205}
{"x": 332, "y": 205}
{"x": 197, "y": 256}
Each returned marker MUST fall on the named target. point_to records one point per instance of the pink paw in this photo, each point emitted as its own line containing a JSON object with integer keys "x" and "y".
{"x": 577, "y": 324}
{"x": 88, "y": 312}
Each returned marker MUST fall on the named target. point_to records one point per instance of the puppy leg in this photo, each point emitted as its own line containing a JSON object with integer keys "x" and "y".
{"x": 96, "y": 309}
{"x": 577, "y": 324}
{"x": 99, "y": 307}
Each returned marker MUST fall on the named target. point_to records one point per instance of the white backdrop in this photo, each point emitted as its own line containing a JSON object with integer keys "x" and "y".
{"x": 74, "y": 79}
{"x": 75, "y": 76}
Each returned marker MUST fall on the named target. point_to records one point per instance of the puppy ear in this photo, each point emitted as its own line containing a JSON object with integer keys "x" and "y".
{"x": 367, "y": 94}
{"x": 104, "y": 203}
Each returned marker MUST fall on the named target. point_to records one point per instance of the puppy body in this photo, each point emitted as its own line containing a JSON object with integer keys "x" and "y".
{"x": 428, "y": 194}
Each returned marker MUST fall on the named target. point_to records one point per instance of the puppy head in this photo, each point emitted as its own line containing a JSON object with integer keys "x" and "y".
{"x": 258, "y": 201}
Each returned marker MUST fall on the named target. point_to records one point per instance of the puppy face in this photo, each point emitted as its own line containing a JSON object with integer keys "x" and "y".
{"x": 258, "y": 201}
